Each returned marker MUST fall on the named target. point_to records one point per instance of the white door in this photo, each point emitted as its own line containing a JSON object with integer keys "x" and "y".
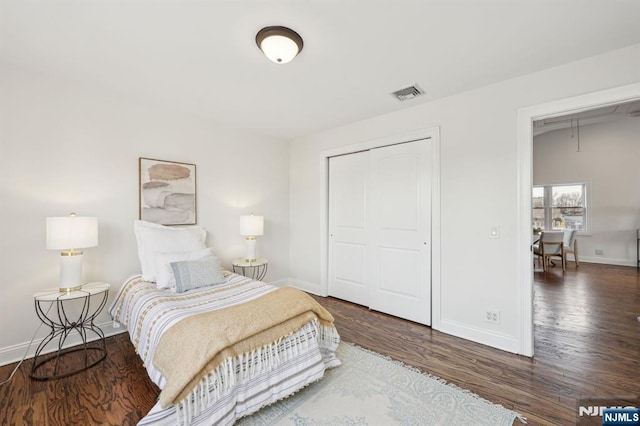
{"x": 399, "y": 249}
{"x": 380, "y": 229}
{"x": 347, "y": 227}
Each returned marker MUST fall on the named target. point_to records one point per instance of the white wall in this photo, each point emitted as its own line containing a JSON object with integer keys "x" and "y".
{"x": 69, "y": 147}
{"x": 609, "y": 163}
{"x": 478, "y": 135}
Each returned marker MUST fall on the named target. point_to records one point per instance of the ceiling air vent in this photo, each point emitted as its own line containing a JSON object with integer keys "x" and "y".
{"x": 408, "y": 93}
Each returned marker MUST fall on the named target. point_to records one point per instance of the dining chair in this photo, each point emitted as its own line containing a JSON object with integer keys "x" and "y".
{"x": 550, "y": 245}
{"x": 570, "y": 245}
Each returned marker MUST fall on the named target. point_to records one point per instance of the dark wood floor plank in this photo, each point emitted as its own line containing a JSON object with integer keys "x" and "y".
{"x": 587, "y": 345}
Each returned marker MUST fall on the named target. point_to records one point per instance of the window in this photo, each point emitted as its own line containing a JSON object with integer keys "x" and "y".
{"x": 559, "y": 207}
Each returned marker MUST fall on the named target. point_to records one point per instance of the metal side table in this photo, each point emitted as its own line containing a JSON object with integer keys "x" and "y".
{"x": 255, "y": 269}
{"x": 65, "y": 312}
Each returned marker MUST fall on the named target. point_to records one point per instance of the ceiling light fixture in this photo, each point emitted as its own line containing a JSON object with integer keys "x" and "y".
{"x": 279, "y": 44}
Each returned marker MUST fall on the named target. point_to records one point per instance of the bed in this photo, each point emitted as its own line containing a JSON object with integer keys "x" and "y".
{"x": 224, "y": 350}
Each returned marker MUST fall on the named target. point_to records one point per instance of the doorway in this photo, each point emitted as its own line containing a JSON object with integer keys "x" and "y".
{"x": 526, "y": 117}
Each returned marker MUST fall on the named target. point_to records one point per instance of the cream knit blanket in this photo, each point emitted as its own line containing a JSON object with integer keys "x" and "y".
{"x": 197, "y": 345}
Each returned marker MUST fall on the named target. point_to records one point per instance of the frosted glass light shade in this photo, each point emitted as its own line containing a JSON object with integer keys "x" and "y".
{"x": 279, "y": 44}
{"x": 279, "y": 49}
{"x": 71, "y": 232}
{"x": 251, "y": 226}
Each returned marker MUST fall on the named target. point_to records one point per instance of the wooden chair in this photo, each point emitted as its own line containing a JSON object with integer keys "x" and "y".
{"x": 550, "y": 245}
{"x": 570, "y": 245}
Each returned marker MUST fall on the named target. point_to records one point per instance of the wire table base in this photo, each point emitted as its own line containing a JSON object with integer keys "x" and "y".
{"x": 63, "y": 323}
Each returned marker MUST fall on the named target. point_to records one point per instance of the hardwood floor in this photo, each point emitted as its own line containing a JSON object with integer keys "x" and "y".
{"x": 116, "y": 391}
{"x": 587, "y": 345}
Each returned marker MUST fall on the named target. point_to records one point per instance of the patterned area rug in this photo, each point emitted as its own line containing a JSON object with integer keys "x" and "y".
{"x": 370, "y": 389}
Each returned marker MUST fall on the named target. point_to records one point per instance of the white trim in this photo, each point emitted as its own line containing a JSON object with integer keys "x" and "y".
{"x": 304, "y": 286}
{"x": 603, "y": 260}
{"x": 436, "y": 312}
{"x": 526, "y": 116}
{"x": 285, "y": 282}
{"x": 431, "y": 133}
{"x": 493, "y": 339}
{"x": 324, "y": 223}
{"x": 14, "y": 353}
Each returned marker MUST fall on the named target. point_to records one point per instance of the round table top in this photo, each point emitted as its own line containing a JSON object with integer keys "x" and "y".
{"x": 88, "y": 289}
{"x": 244, "y": 263}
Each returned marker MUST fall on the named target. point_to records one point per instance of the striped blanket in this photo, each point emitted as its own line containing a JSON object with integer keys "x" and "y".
{"x": 293, "y": 361}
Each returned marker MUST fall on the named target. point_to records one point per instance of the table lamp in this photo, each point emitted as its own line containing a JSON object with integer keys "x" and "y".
{"x": 70, "y": 234}
{"x": 250, "y": 227}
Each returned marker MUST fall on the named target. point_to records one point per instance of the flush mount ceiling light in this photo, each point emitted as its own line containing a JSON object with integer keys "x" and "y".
{"x": 280, "y": 44}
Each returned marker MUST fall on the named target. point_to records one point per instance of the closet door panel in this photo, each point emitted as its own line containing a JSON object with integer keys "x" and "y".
{"x": 348, "y": 237}
{"x": 399, "y": 230}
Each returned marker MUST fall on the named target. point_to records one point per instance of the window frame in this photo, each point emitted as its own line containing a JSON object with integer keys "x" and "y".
{"x": 548, "y": 207}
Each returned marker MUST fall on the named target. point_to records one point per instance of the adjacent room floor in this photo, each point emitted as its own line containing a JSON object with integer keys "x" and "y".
{"x": 587, "y": 343}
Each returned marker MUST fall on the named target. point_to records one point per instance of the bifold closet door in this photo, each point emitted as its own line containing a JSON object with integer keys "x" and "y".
{"x": 379, "y": 229}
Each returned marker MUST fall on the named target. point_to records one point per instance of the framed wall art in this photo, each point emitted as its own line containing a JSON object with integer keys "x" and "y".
{"x": 167, "y": 191}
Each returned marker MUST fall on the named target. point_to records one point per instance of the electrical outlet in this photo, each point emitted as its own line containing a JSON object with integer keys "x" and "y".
{"x": 599, "y": 252}
{"x": 492, "y": 316}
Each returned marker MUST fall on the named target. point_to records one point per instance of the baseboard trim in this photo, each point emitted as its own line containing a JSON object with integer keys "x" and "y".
{"x": 14, "y": 353}
{"x": 604, "y": 261}
{"x": 305, "y": 286}
{"x": 496, "y": 340}
{"x": 280, "y": 283}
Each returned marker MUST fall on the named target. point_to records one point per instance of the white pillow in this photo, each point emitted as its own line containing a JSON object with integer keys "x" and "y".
{"x": 165, "y": 277}
{"x": 154, "y": 238}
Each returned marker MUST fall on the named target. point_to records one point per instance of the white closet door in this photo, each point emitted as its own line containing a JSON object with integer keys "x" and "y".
{"x": 347, "y": 227}
{"x": 380, "y": 229}
{"x": 399, "y": 229}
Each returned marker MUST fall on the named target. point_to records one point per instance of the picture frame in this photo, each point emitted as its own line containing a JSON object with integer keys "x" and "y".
{"x": 167, "y": 192}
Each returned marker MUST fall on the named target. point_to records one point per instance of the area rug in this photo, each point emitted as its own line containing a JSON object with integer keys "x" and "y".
{"x": 370, "y": 389}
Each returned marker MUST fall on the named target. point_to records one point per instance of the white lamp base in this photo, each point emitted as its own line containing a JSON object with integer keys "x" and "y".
{"x": 251, "y": 249}
{"x": 70, "y": 271}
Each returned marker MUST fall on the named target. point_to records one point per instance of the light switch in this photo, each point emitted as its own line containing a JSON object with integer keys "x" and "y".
{"x": 495, "y": 232}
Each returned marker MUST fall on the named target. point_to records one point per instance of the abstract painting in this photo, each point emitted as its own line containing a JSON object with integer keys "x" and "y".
{"x": 167, "y": 192}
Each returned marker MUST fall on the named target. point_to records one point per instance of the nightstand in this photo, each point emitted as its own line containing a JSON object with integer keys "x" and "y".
{"x": 255, "y": 269}
{"x": 65, "y": 312}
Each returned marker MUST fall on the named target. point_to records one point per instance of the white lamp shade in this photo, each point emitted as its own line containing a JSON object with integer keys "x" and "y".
{"x": 71, "y": 232}
{"x": 251, "y": 226}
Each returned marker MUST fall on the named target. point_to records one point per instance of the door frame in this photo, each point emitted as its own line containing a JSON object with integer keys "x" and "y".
{"x": 434, "y": 135}
{"x": 526, "y": 117}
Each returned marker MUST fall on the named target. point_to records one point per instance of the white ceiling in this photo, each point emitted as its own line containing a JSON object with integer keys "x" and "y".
{"x": 200, "y": 56}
